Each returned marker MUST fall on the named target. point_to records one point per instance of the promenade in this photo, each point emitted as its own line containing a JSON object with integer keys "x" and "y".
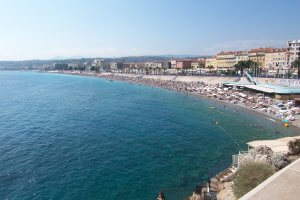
{"x": 283, "y": 185}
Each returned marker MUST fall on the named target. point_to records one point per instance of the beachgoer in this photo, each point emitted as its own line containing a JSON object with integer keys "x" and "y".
{"x": 208, "y": 186}
{"x": 161, "y": 196}
{"x": 208, "y": 181}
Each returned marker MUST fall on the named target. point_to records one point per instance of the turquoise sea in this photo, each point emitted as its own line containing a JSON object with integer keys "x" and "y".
{"x": 73, "y": 137}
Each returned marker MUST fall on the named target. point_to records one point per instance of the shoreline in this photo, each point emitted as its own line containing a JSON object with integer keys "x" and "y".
{"x": 117, "y": 77}
{"x": 222, "y": 178}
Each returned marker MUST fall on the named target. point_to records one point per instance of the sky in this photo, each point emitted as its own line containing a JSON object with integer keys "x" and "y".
{"x": 44, "y": 29}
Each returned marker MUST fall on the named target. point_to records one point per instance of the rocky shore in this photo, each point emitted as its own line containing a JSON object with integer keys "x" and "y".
{"x": 222, "y": 184}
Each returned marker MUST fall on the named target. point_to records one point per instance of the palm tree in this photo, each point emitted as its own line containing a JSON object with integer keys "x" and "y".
{"x": 245, "y": 64}
{"x": 296, "y": 64}
{"x": 210, "y": 67}
{"x": 241, "y": 66}
{"x": 254, "y": 67}
{"x": 238, "y": 67}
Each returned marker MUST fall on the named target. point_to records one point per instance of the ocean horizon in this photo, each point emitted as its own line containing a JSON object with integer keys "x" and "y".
{"x": 76, "y": 137}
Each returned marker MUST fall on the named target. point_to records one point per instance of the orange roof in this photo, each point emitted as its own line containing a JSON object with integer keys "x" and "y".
{"x": 231, "y": 52}
{"x": 267, "y": 50}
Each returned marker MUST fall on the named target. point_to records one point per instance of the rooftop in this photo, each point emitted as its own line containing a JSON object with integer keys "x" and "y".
{"x": 267, "y": 50}
{"x": 232, "y": 53}
{"x": 266, "y": 88}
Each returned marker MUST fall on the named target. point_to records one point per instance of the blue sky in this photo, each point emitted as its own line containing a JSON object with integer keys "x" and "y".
{"x": 42, "y": 29}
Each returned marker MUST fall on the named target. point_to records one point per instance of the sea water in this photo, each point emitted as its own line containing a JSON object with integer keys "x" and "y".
{"x": 74, "y": 137}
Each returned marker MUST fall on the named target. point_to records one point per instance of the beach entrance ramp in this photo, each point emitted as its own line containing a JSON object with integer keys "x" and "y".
{"x": 251, "y": 79}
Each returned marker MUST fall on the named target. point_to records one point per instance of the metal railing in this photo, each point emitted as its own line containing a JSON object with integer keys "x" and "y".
{"x": 236, "y": 158}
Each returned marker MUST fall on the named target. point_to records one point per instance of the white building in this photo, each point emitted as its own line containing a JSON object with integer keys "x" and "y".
{"x": 153, "y": 65}
{"x": 116, "y": 65}
{"x": 173, "y": 64}
{"x": 294, "y": 49}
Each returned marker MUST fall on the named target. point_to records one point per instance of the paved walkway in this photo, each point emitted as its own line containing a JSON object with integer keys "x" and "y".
{"x": 283, "y": 185}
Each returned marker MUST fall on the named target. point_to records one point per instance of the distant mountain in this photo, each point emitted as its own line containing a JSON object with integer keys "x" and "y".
{"x": 66, "y": 58}
{"x": 138, "y": 59}
{"x": 180, "y": 56}
{"x": 33, "y": 64}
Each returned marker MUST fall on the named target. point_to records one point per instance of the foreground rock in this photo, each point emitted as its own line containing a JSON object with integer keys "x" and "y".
{"x": 226, "y": 191}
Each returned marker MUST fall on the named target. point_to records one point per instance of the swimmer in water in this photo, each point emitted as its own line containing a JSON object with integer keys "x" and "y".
{"x": 216, "y": 122}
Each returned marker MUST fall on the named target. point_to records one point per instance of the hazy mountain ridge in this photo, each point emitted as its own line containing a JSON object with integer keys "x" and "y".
{"x": 65, "y": 60}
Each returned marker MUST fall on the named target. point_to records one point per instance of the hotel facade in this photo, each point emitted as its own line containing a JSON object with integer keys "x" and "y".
{"x": 277, "y": 59}
{"x": 294, "y": 49}
{"x": 266, "y": 58}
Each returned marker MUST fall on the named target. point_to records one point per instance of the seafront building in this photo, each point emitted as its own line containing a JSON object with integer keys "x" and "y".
{"x": 158, "y": 65}
{"x": 258, "y": 56}
{"x": 277, "y": 59}
{"x": 241, "y": 56}
{"x": 227, "y": 60}
{"x": 211, "y": 61}
{"x": 199, "y": 63}
{"x": 183, "y": 64}
{"x": 294, "y": 49}
{"x": 269, "y": 61}
{"x": 153, "y": 65}
{"x": 116, "y": 65}
{"x": 187, "y": 63}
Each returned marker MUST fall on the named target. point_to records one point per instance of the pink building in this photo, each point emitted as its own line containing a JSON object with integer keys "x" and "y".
{"x": 183, "y": 64}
